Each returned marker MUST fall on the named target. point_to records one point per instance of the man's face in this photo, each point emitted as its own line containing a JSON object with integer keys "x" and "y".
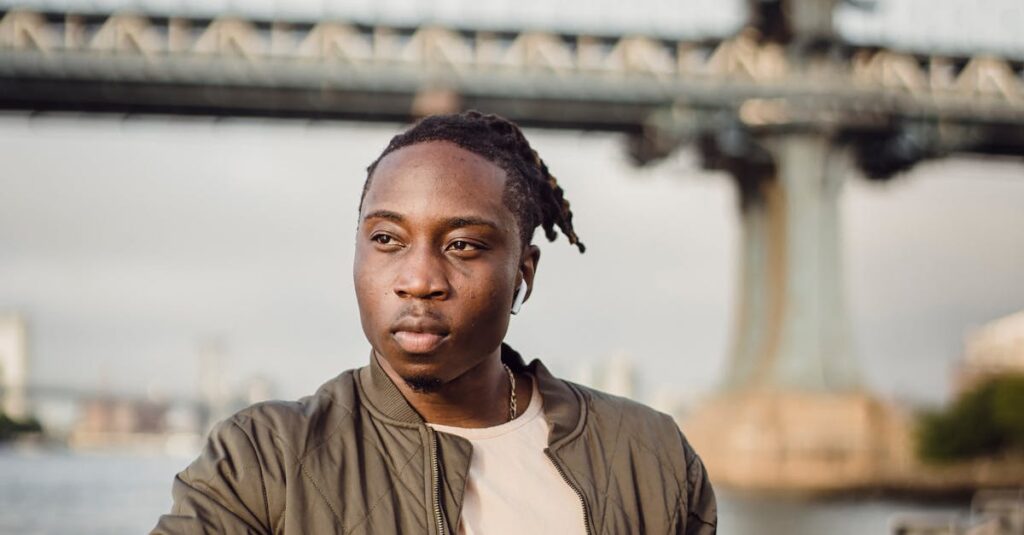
{"x": 437, "y": 261}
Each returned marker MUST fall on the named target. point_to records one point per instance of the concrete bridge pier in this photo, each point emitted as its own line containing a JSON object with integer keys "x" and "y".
{"x": 791, "y": 327}
{"x": 13, "y": 367}
{"x": 792, "y": 414}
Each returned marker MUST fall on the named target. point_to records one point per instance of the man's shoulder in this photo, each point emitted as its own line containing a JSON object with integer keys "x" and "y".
{"x": 645, "y": 437}
{"x": 610, "y": 413}
{"x": 301, "y": 425}
{"x": 623, "y": 424}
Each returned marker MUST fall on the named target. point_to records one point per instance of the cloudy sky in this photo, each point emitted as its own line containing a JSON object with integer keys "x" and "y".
{"x": 126, "y": 243}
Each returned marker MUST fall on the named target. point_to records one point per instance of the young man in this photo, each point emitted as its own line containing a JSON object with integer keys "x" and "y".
{"x": 447, "y": 430}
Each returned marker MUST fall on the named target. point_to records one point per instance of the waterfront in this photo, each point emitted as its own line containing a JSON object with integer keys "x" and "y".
{"x": 60, "y": 491}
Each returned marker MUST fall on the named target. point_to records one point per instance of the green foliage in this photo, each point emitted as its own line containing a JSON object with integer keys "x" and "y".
{"x": 988, "y": 420}
{"x": 9, "y": 428}
{"x": 1008, "y": 409}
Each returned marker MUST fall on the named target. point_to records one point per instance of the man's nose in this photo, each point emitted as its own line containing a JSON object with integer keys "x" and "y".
{"x": 422, "y": 276}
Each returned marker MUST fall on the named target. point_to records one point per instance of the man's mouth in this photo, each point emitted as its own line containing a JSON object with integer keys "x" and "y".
{"x": 418, "y": 342}
{"x": 420, "y": 333}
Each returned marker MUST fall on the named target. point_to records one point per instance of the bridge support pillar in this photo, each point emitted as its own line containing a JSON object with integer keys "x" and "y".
{"x": 13, "y": 367}
{"x": 792, "y": 415}
{"x": 791, "y": 327}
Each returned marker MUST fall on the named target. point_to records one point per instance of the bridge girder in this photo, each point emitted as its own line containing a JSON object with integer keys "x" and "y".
{"x": 130, "y": 62}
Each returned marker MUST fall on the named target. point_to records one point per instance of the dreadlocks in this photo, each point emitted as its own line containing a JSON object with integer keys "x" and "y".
{"x": 531, "y": 192}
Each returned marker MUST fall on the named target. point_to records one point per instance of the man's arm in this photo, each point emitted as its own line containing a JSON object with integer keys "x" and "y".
{"x": 699, "y": 512}
{"x": 222, "y": 491}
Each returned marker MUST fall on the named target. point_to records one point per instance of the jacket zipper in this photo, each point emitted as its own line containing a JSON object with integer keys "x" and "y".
{"x": 436, "y": 481}
{"x": 558, "y": 467}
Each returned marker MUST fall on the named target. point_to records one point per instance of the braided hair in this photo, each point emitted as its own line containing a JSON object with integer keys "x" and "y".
{"x": 531, "y": 192}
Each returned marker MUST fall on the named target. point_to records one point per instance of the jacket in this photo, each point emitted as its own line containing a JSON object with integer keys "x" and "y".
{"x": 355, "y": 458}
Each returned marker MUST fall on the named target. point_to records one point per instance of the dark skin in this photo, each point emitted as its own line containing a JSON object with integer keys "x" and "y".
{"x": 438, "y": 259}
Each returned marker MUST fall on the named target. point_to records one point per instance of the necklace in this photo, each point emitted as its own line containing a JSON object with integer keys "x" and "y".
{"x": 512, "y": 396}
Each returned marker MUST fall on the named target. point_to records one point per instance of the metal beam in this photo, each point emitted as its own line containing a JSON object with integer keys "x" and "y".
{"x": 227, "y": 66}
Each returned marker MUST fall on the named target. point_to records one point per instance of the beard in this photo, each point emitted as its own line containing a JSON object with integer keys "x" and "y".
{"x": 424, "y": 383}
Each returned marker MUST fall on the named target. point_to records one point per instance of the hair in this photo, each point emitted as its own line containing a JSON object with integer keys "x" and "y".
{"x": 424, "y": 384}
{"x": 531, "y": 192}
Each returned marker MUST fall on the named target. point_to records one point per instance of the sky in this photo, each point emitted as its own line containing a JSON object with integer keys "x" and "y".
{"x": 126, "y": 243}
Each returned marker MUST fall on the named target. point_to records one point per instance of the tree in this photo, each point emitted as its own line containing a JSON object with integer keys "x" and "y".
{"x": 10, "y": 428}
{"x": 985, "y": 421}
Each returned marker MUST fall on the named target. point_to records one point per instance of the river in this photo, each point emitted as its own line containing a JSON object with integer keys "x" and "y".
{"x": 56, "y": 491}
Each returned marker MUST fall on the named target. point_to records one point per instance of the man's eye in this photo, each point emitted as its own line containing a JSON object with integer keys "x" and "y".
{"x": 382, "y": 239}
{"x": 463, "y": 245}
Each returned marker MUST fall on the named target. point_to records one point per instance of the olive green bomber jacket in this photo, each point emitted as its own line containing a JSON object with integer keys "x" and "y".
{"x": 355, "y": 458}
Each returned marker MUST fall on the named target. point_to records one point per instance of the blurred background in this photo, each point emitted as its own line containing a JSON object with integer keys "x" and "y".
{"x": 804, "y": 225}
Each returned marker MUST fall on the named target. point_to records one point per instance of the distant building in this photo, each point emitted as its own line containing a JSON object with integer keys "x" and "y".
{"x": 615, "y": 375}
{"x": 213, "y": 387}
{"x": 254, "y": 390}
{"x": 13, "y": 366}
{"x": 121, "y": 416}
{"x": 619, "y": 377}
{"x": 107, "y": 422}
{"x": 991, "y": 350}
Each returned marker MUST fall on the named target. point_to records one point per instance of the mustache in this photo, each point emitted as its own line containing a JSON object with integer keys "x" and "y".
{"x": 417, "y": 312}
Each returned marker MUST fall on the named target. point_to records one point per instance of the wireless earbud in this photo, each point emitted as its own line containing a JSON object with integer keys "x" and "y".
{"x": 520, "y": 296}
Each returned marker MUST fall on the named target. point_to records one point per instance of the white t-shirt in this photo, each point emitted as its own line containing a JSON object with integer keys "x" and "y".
{"x": 513, "y": 486}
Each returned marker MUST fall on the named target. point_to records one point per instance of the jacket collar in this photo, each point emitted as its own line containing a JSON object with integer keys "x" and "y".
{"x": 563, "y": 408}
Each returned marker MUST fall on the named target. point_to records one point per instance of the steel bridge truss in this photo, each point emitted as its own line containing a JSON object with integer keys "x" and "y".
{"x": 129, "y": 62}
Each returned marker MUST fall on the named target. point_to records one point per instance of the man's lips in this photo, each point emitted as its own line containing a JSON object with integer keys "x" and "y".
{"x": 416, "y": 342}
{"x": 419, "y": 334}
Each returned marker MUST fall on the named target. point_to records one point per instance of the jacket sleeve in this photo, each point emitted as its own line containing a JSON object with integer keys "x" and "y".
{"x": 698, "y": 513}
{"x": 222, "y": 491}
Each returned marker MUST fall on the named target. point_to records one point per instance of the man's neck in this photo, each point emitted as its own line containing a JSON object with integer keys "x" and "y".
{"x": 477, "y": 398}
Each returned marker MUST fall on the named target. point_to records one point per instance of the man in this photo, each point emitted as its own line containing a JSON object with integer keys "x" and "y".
{"x": 447, "y": 430}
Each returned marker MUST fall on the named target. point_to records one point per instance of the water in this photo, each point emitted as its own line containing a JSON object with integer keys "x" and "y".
{"x": 741, "y": 516}
{"x": 48, "y": 492}
{"x": 44, "y": 492}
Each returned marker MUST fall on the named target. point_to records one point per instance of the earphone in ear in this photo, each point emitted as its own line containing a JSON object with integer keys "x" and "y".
{"x": 520, "y": 296}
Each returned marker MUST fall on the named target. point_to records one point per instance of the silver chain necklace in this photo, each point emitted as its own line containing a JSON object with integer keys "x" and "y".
{"x": 512, "y": 397}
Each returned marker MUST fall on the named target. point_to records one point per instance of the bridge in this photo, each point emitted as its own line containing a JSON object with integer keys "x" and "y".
{"x": 134, "y": 63}
{"x": 784, "y": 105}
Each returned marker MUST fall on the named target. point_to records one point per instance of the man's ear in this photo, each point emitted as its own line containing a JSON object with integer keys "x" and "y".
{"x": 528, "y": 267}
